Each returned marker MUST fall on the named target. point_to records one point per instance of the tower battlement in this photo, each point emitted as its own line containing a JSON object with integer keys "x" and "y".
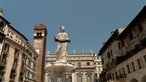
{"x": 40, "y": 27}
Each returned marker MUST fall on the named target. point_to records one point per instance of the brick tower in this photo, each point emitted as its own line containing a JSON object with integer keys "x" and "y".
{"x": 39, "y": 44}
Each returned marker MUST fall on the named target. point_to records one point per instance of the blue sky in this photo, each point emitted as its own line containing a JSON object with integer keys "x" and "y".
{"x": 88, "y": 22}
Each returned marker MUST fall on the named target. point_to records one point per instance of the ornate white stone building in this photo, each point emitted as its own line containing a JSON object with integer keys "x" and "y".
{"x": 87, "y": 67}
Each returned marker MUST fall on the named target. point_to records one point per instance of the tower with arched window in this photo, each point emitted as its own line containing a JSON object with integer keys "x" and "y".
{"x": 39, "y": 44}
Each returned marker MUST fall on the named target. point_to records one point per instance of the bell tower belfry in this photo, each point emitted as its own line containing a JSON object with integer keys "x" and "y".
{"x": 39, "y": 44}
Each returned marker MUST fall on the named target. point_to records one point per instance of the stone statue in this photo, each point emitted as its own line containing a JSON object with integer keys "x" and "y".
{"x": 63, "y": 40}
{"x": 59, "y": 80}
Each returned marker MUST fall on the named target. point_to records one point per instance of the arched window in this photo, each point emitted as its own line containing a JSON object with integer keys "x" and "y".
{"x": 89, "y": 79}
{"x": 39, "y": 34}
{"x": 79, "y": 79}
{"x": 49, "y": 78}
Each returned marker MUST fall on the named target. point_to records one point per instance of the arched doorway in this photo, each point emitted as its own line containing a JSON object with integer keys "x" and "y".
{"x": 133, "y": 80}
{"x": 143, "y": 78}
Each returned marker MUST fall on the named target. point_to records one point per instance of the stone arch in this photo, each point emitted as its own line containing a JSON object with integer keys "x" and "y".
{"x": 143, "y": 78}
{"x": 133, "y": 80}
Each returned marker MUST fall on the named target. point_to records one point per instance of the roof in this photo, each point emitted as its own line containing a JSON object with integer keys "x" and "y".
{"x": 18, "y": 32}
{"x": 114, "y": 36}
{"x": 142, "y": 13}
{"x": 13, "y": 27}
{"x": 4, "y": 20}
{"x": 126, "y": 30}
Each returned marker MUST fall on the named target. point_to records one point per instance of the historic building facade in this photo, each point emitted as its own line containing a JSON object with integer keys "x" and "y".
{"x": 124, "y": 53}
{"x": 17, "y": 56}
{"x": 87, "y": 67}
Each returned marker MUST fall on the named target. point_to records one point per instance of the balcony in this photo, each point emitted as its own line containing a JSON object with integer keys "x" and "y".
{"x": 131, "y": 53}
{"x": 111, "y": 64}
{"x": 121, "y": 77}
{"x": 21, "y": 77}
{"x": 12, "y": 75}
{"x": 2, "y": 72}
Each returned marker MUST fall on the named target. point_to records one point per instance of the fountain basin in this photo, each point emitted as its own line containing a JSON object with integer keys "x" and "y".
{"x": 59, "y": 67}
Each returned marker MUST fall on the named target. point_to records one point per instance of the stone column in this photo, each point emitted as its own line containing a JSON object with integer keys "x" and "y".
{"x": 73, "y": 76}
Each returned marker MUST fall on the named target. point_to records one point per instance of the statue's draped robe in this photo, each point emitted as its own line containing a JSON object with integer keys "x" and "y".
{"x": 62, "y": 47}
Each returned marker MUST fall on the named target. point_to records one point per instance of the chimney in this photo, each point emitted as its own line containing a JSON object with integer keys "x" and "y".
{"x": 112, "y": 32}
{"x": 1, "y": 12}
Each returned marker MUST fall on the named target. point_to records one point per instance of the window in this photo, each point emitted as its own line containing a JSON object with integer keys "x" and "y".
{"x": 120, "y": 72}
{"x": 28, "y": 74}
{"x": 1, "y": 39}
{"x": 16, "y": 53}
{"x": 89, "y": 79}
{"x": 119, "y": 46}
{"x": 30, "y": 54}
{"x": 102, "y": 61}
{"x": 111, "y": 53}
{"x": 144, "y": 58}
{"x": 4, "y": 58}
{"x": 133, "y": 66}
{"x": 50, "y": 79}
{"x": 109, "y": 76}
{"x": 29, "y": 63}
{"x": 128, "y": 68}
{"x": 1, "y": 25}
{"x": 124, "y": 72}
{"x": 116, "y": 74}
{"x": 108, "y": 55}
{"x": 2, "y": 71}
{"x": 79, "y": 79}
{"x": 88, "y": 63}
{"x": 23, "y": 57}
{"x": 139, "y": 64}
{"x": 79, "y": 64}
{"x": 15, "y": 63}
{"x": 34, "y": 66}
{"x": 13, "y": 74}
{"x": 6, "y": 47}
{"x": 113, "y": 77}
{"x": 21, "y": 76}
{"x": 22, "y": 66}
{"x": 39, "y": 34}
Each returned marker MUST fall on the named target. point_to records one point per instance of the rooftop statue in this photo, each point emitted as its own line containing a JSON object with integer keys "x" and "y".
{"x": 62, "y": 40}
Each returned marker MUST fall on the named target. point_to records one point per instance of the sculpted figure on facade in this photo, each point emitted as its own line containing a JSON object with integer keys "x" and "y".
{"x": 62, "y": 45}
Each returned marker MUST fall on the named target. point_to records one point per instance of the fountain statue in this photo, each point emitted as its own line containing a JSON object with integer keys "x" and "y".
{"x": 62, "y": 40}
{"x": 60, "y": 69}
